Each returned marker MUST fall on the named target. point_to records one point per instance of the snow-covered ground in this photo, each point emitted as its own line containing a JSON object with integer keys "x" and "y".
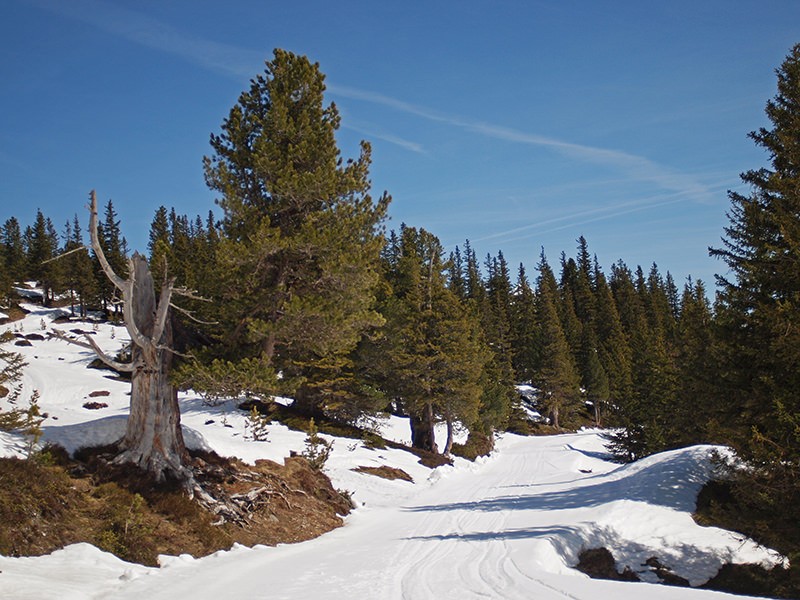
{"x": 508, "y": 526}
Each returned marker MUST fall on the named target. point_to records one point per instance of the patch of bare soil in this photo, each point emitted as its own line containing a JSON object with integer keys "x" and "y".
{"x": 599, "y": 563}
{"x": 15, "y": 313}
{"x": 386, "y": 472}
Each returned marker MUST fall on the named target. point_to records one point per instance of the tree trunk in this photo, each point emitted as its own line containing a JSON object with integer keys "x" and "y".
{"x": 153, "y": 440}
{"x": 554, "y": 417}
{"x": 422, "y": 434}
{"x": 306, "y": 404}
{"x": 448, "y": 445}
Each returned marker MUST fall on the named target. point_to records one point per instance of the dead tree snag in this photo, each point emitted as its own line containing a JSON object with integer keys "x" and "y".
{"x": 153, "y": 439}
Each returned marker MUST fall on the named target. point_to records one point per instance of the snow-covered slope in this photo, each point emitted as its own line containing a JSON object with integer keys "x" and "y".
{"x": 509, "y": 526}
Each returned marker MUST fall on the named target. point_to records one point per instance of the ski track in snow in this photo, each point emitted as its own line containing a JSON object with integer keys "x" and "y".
{"x": 509, "y": 526}
{"x": 451, "y": 541}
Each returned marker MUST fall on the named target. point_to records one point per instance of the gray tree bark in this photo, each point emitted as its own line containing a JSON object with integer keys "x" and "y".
{"x": 153, "y": 439}
{"x": 448, "y": 445}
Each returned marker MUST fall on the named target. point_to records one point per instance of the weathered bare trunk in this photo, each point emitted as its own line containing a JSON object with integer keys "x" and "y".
{"x": 269, "y": 346}
{"x": 554, "y": 417}
{"x": 448, "y": 445}
{"x": 153, "y": 439}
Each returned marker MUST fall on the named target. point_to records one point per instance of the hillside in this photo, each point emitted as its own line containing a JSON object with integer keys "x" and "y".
{"x": 509, "y": 526}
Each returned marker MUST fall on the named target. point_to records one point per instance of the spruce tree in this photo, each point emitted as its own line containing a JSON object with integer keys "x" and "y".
{"x": 182, "y": 260}
{"x": 158, "y": 244}
{"x": 595, "y": 382}
{"x": 430, "y": 356}
{"x": 301, "y": 236}
{"x": 114, "y": 247}
{"x": 759, "y": 305}
{"x": 566, "y": 305}
{"x": 202, "y": 251}
{"x": 661, "y": 303}
{"x": 694, "y": 418}
{"x": 13, "y": 247}
{"x": 473, "y": 279}
{"x": 78, "y": 268}
{"x": 455, "y": 269}
{"x": 583, "y": 296}
{"x": 41, "y": 242}
{"x": 614, "y": 351}
{"x": 495, "y": 318}
{"x": 524, "y": 328}
{"x": 556, "y": 377}
{"x": 644, "y": 415}
{"x": 114, "y": 244}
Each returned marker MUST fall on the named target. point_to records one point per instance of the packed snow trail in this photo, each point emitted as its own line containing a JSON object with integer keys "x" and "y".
{"x": 509, "y": 529}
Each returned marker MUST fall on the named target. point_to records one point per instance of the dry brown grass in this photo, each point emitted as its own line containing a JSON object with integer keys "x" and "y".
{"x": 44, "y": 507}
{"x": 386, "y": 472}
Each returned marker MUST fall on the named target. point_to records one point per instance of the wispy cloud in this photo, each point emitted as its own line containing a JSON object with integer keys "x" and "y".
{"x": 386, "y": 137}
{"x": 238, "y": 62}
{"x": 584, "y": 217}
{"x": 577, "y": 220}
{"x": 152, "y": 33}
{"x": 221, "y": 58}
{"x": 635, "y": 166}
{"x": 399, "y": 105}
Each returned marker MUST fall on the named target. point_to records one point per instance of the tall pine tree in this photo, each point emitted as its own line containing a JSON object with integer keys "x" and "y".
{"x": 114, "y": 248}
{"x": 41, "y": 242}
{"x": 430, "y": 356}
{"x": 301, "y": 236}
{"x": 78, "y": 268}
{"x": 556, "y": 377}
{"x": 759, "y": 305}
{"x": 13, "y": 251}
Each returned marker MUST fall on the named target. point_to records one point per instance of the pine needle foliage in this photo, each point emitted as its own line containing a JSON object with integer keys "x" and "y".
{"x": 758, "y": 328}
{"x": 295, "y": 267}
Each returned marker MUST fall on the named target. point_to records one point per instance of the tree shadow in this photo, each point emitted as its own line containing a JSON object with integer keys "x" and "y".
{"x": 506, "y": 534}
{"x": 695, "y": 564}
{"x": 604, "y": 456}
{"x": 671, "y": 481}
{"x": 105, "y": 431}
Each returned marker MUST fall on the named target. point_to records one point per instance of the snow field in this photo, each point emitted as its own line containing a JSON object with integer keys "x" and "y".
{"x": 508, "y": 526}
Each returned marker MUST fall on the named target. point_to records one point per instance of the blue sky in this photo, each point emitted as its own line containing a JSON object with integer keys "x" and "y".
{"x": 514, "y": 124}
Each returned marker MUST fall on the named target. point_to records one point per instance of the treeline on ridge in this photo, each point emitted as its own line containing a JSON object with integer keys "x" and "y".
{"x": 447, "y": 339}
